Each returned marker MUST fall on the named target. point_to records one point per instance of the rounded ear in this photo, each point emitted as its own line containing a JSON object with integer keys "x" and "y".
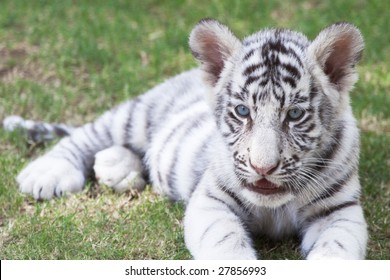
{"x": 212, "y": 44}
{"x": 337, "y": 49}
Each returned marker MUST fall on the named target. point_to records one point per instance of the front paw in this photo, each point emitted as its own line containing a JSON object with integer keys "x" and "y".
{"x": 333, "y": 250}
{"x": 48, "y": 177}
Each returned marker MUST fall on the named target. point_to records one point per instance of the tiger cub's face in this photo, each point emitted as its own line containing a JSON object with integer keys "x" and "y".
{"x": 271, "y": 106}
{"x": 270, "y": 116}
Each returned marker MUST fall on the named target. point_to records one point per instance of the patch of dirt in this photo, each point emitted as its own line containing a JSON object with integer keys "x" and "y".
{"x": 375, "y": 123}
{"x": 19, "y": 63}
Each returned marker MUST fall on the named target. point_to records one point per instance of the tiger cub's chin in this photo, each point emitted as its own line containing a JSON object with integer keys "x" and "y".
{"x": 270, "y": 198}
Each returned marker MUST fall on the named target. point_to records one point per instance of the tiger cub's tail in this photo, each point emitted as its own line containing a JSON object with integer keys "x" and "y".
{"x": 35, "y": 131}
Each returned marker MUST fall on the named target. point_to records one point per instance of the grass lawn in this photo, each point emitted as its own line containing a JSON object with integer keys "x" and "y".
{"x": 69, "y": 61}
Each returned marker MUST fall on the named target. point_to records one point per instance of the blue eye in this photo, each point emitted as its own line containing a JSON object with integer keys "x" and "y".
{"x": 242, "y": 111}
{"x": 295, "y": 113}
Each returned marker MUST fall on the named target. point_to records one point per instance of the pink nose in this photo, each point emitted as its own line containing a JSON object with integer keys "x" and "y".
{"x": 265, "y": 170}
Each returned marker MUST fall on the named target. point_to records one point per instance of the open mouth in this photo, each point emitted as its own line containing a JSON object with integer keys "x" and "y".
{"x": 265, "y": 187}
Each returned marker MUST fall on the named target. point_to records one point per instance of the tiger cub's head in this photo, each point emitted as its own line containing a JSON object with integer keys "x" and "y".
{"x": 281, "y": 103}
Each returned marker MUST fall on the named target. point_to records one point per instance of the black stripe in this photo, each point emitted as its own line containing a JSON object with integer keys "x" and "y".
{"x": 276, "y": 95}
{"x": 99, "y": 136}
{"x": 298, "y": 143}
{"x": 262, "y": 83}
{"x": 231, "y": 120}
{"x": 276, "y": 46}
{"x": 202, "y": 237}
{"x": 81, "y": 155}
{"x": 275, "y": 83}
{"x": 138, "y": 152}
{"x": 184, "y": 122}
{"x": 155, "y": 109}
{"x": 254, "y": 98}
{"x": 292, "y": 70}
{"x": 338, "y": 243}
{"x": 249, "y": 54}
{"x": 107, "y": 131}
{"x": 150, "y": 110}
{"x": 291, "y": 81}
{"x": 220, "y": 104}
{"x": 282, "y": 101}
{"x": 129, "y": 122}
{"x": 306, "y": 140}
{"x": 328, "y": 211}
{"x": 233, "y": 196}
{"x": 243, "y": 171}
{"x": 334, "y": 188}
{"x": 241, "y": 162}
{"x": 252, "y": 68}
{"x": 234, "y": 118}
{"x": 223, "y": 239}
{"x": 175, "y": 130}
{"x": 232, "y": 210}
{"x": 61, "y": 131}
{"x": 291, "y": 52}
{"x": 326, "y": 112}
{"x": 332, "y": 149}
{"x": 314, "y": 90}
{"x": 198, "y": 173}
{"x": 298, "y": 98}
{"x": 233, "y": 141}
{"x": 308, "y": 129}
{"x": 228, "y": 91}
{"x": 304, "y": 121}
{"x": 74, "y": 159}
{"x": 250, "y": 80}
{"x": 240, "y": 96}
{"x": 171, "y": 182}
{"x": 93, "y": 142}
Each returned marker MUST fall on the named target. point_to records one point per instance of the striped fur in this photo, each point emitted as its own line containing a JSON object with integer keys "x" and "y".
{"x": 260, "y": 139}
{"x": 36, "y": 132}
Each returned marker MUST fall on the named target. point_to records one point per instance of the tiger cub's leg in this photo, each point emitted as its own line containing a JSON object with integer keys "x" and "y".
{"x": 64, "y": 168}
{"x": 119, "y": 168}
{"x": 214, "y": 225}
{"x": 340, "y": 232}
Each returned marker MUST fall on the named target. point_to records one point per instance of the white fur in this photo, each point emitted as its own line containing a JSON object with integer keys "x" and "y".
{"x": 326, "y": 240}
{"x": 207, "y": 223}
{"x": 48, "y": 176}
{"x": 119, "y": 168}
{"x": 10, "y": 123}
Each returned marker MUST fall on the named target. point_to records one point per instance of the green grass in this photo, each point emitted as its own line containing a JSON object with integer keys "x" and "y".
{"x": 71, "y": 60}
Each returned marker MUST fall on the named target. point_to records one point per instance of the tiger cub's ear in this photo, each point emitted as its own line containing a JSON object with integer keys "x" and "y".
{"x": 212, "y": 44}
{"x": 337, "y": 49}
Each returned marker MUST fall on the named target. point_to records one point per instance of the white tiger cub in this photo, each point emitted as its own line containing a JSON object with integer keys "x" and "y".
{"x": 260, "y": 139}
